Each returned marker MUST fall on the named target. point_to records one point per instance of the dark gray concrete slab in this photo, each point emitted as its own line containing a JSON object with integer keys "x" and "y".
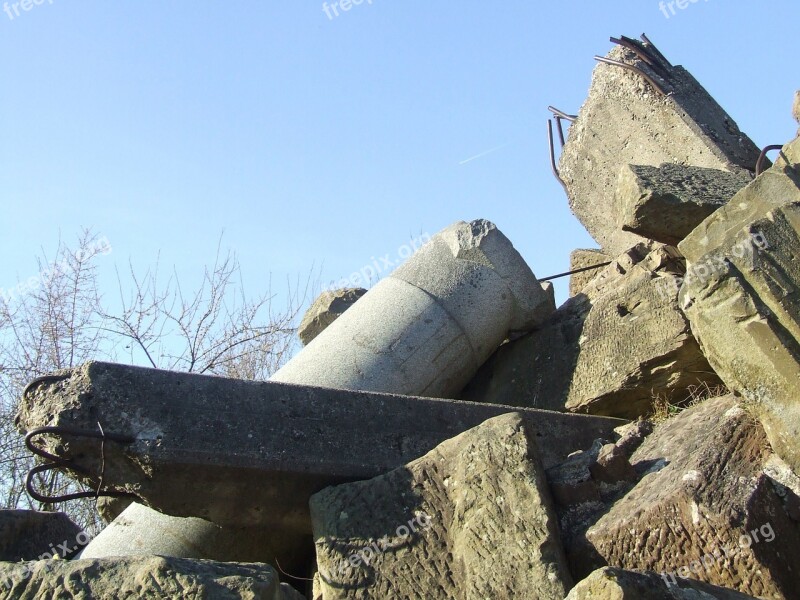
{"x": 239, "y": 452}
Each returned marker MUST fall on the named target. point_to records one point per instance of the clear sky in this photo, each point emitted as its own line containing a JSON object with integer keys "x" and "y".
{"x": 317, "y": 140}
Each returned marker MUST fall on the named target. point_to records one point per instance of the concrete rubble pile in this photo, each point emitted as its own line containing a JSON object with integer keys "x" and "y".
{"x": 451, "y": 433}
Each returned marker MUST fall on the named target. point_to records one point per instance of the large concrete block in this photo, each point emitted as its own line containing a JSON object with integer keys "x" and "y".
{"x": 329, "y": 306}
{"x": 610, "y": 350}
{"x": 666, "y": 203}
{"x": 426, "y": 328}
{"x": 246, "y": 453}
{"x": 625, "y": 120}
{"x": 583, "y": 258}
{"x": 742, "y": 296}
{"x": 139, "y": 577}
{"x": 472, "y": 519}
{"x": 704, "y": 508}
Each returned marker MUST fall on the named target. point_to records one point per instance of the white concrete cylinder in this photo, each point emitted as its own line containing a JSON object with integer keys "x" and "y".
{"x": 428, "y": 327}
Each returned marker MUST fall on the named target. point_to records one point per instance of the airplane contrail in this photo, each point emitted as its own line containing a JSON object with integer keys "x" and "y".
{"x": 463, "y": 162}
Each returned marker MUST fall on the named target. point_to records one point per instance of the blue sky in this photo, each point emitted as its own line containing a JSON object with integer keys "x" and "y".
{"x": 323, "y": 141}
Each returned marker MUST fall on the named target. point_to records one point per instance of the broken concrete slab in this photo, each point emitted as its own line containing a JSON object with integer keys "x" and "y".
{"x": 139, "y": 577}
{"x": 471, "y": 519}
{"x": 666, "y": 203}
{"x": 610, "y": 350}
{"x": 703, "y": 508}
{"x": 610, "y": 582}
{"x": 584, "y": 258}
{"x": 425, "y": 329}
{"x": 252, "y": 453}
{"x": 329, "y": 306}
{"x": 625, "y": 120}
{"x": 32, "y": 534}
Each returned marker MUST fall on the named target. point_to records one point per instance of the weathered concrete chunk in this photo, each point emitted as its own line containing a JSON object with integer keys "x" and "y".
{"x": 742, "y": 296}
{"x": 31, "y": 534}
{"x": 329, "y": 306}
{"x": 471, "y": 519}
{"x": 610, "y": 583}
{"x": 246, "y": 453}
{"x": 154, "y": 577}
{"x": 666, "y": 203}
{"x": 426, "y": 328}
{"x": 703, "y": 508}
{"x": 583, "y": 258}
{"x": 608, "y": 350}
{"x": 625, "y": 120}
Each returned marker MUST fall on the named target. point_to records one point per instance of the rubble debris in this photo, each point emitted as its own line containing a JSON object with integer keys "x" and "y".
{"x": 609, "y": 351}
{"x": 741, "y": 297}
{"x": 625, "y": 120}
{"x": 329, "y": 306}
{"x": 30, "y": 534}
{"x": 610, "y": 582}
{"x": 140, "y": 577}
{"x": 666, "y": 203}
{"x": 473, "y": 514}
{"x": 703, "y": 508}
{"x": 425, "y": 329}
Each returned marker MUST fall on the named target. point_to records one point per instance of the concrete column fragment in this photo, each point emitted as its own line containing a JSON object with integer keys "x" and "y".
{"x": 244, "y": 453}
{"x": 142, "y": 531}
{"x": 427, "y": 328}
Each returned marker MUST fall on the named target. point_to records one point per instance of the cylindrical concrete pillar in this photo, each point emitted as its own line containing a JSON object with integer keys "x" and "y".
{"x": 142, "y": 531}
{"x": 426, "y": 328}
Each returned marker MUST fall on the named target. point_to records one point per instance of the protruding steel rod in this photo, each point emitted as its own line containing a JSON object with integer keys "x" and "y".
{"x": 628, "y": 67}
{"x": 763, "y": 157}
{"x": 553, "y": 156}
{"x": 560, "y": 131}
{"x": 581, "y": 270}
{"x": 58, "y": 462}
{"x": 637, "y": 50}
{"x": 562, "y": 114}
{"x": 653, "y": 48}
